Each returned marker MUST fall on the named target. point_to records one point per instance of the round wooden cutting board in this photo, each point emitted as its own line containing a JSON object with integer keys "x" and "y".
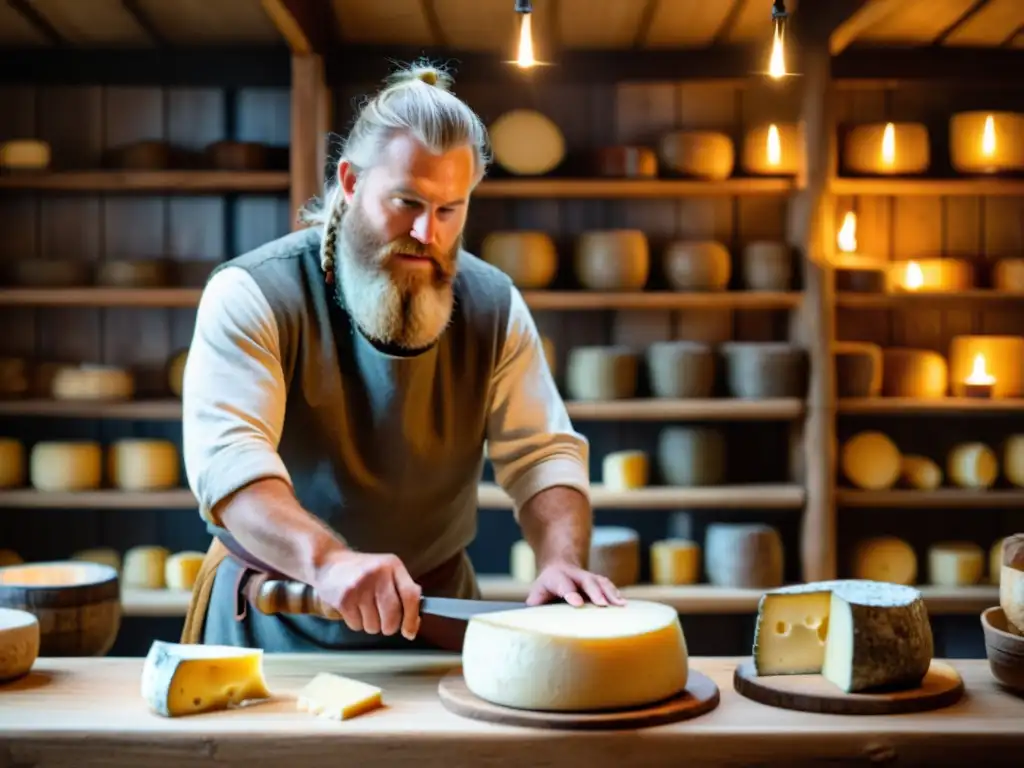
{"x": 941, "y": 687}
{"x": 700, "y": 696}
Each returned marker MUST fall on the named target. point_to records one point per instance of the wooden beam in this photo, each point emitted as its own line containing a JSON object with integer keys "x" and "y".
{"x": 306, "y": 25}
{"x": 310, "y": 126}
{"x": 32, "y": 15}
{"x": 643, "y": 27}
{"x": 141, "y": 17}
{"x": 963, "y": 18}
{"x": 433, "y": 20}
{"x": 725, "y": 29}
{"x": 870, "y": 13}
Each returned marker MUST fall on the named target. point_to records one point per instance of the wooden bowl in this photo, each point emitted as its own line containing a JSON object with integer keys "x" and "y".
{"x": 1005, "y": 651}
{"x": 78, "y": 604}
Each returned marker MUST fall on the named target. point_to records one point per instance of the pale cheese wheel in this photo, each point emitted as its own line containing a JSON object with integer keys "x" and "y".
{"x": 920, "y": 473}
{"x": 1000, "y": 356}
{"x": 765, "y": 369}
{"x": 681, "y": 369}
{"x": 522, "y": 562}
{"x": 919, "y": 373}
{"x": 871, "y": 461}
{"x": 133, "y": 274}
{"x": 12, "y": 463}
{"x": 625, "y": 470}
{"x": 526, "y": 142}
{"x": 934, "y": 275}
{"x": 560, "y": 658}
{"x": 743, "y": 555}
{"x": 692, "y": 456}
{"x": 10, "y": 557}
{"x": 66, "y": 466}
{"x": 885, "y": 558}
{"x": 972, "y": 465}
{"x": 858, "y": 369}
{"x": 612, "y": 260}
{"x": 176, "y": 371}
{"x": 1008, "y": 275}
{"x": 528, "y": 258}
{"x": 701, "y": 154}
{"x": 675, "y": 561}
{"x": 615, "y": 554}
{"x": 697, "y": 265}
{"x": 986, "y": 142}
{"x": 773, "y": 149}
{"x": 19, "y": 643}
{"x": 182, "y": 568}
{"x": 602, "y": 373}
{"x": 767, "y": 266}
{"x": 887, "y": 148}
{"x": 102, "y": 555}
{"x": 145, "y": 567}
{"x": 995, "y": 561}
{"x": 25, "y": 154}
{"x": 92, "y": 382}
{"x": 139, "y": 464}
{"x": 955, "y": 563}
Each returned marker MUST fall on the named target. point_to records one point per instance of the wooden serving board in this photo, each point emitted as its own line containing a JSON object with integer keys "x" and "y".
{"x": 700, "y": 696}
{"x": 941, "y": 687}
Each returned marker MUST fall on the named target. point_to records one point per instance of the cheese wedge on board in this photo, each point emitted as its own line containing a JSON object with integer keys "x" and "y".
{"x": 858, "y": 634}
{"x": 334, "y": 697}
{"x": 186, "y": 679}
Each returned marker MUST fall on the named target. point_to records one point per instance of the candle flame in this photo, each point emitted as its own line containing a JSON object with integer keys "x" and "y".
{"x": 889, "y": 144}
{"x": 777, "y": 62}
{"x": 774, "y": 145}
{"x": 988, "y": 137}
{"x": 524, "y": 57}
{"x": 914, "y": 277}
{"x": 978, "y": 373}
{"x": 847, "y": 238}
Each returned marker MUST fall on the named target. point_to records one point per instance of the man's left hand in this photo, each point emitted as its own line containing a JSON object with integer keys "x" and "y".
{"x": 574, "y": 585}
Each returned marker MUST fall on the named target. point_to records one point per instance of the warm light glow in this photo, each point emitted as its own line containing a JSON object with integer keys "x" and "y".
{"x": 978, "y": 373}
{"x": 524, "y": 56}
{"x": 889, "y": 144}
{"x": 777, "y": 62}
{"x": 847, "y": 238}
{"x": 774, "y": 145}
{"x": 914, "y": 277}
{"x": 988, "y": 137}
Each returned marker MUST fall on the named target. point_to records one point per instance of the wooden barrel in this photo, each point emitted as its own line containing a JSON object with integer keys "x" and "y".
{"x": 78, "y": 604}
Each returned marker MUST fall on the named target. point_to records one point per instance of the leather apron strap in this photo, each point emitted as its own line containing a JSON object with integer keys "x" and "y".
{"x": 199, "y": 602}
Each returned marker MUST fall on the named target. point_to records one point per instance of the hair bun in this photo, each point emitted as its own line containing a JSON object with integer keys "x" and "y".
{"x": 429, "y": 76}
{"x": 423, "y": 72}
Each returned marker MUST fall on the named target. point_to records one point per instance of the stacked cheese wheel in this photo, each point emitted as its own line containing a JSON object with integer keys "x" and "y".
{"x": 148, "y": 566}
{"x": 133, "y": 464}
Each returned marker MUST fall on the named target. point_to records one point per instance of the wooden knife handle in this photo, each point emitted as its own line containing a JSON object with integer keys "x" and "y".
{"x": 272, "y": 596}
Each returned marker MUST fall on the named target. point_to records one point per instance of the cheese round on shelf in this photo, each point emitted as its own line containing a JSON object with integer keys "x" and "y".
{"x": 182, "y": 568}
{"x": 701, "y": 154}
{"x": 692, "y": 456}
{"x": 12, "y": 463}
{"x": 176, "y": 371}
{"x": 675, "y": 561}
{"x": 24, "y": 154}
{"x": 995, "y": 561}
{"x": 697, "y": 265}
{"x": 139, "y": 464}
{"x": 528, "y": 258}
{"x": 133, "y": 274}
{"x": 681, "y": 369}
{"x": 767, "y": 266}
{"x": 1008, "y": 275}
{"x": 1011, "y": 582}
{"x": 972, "y": 465}
{"x": 955, "y": 563}
{"x": 601, "y": 373}
{"x": 983, "y": 141}
{"x": 66, "y": 466}
{"x": 857, "y": 634}
{"x": 560, "y": 658}
{"x": 773, "y": 149}
{"x": 743, "y": 555}
{"x": 871, "y": 461}
{"x": 145, "y": 567}
{"x": 625, "y": 470}
{"x": 887, "y": 148}
{"x": 526, "y": 143}
{"x": 858, "y": 369}
{"x": 612, "y": 260}
{"x": 19, "y": 643}
{"x": 920, "y": 472}
{"x": 885, "y": 558}
{"x": 918, "y": 373}
{"x": 1013, "y": 459}
{"x": 101, "y": 555}
{"x": 522, "y": 562}
{"x": 92, "y": 382}
{"x": 615, "y": 554}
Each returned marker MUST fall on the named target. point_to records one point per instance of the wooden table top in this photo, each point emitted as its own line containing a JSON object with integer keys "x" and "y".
{"x": 81, "y": 712}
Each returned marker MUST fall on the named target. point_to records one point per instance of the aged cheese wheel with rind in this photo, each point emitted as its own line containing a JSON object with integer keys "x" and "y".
{"x": 955, "y": 563}
{"x": 870, "y": 460}
{"x": 526, "y": 142}
{"x": 885, "y": 558}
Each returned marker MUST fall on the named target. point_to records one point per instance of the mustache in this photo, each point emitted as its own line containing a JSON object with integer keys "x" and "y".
{"x": 410, "y": 247}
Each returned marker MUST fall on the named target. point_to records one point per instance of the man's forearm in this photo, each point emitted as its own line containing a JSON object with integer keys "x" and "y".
{"x": 557, "y": 523}
{"x": 267, "y": 520}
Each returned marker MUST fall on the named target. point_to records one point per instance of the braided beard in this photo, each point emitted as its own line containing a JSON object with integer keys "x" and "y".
{"x": 390, "y": 304}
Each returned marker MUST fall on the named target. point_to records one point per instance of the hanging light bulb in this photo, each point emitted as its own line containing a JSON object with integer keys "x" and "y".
{"x": 777, "y": 61}
{"x": 524, "y": 51}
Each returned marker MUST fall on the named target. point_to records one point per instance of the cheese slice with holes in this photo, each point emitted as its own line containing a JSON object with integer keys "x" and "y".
{"x": 858, "y": 634}
{"x": 186, "y": 679}
{"x": 334, "y": 697}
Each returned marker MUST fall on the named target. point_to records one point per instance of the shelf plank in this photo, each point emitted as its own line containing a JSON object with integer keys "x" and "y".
{"x": 595, "y": 300}
{"x": 853, "y": 300}
{"x": 29, "y": 498}
{"x": 943, "y": 498}
{"x": 907, "y": 406}
{"x": 766, "y": 496}
{"x": 170, "y": 182}
{"x": 630, "y": 188}
{"x": 653, "y": 409}
{"x": 989, "y": 187}
{"x": 100, "y": 297}
{"x": 691, "y": 598}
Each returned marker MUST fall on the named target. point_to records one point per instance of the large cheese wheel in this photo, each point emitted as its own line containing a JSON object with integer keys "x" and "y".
{"x": 697, "y": 265}
{"x": 871, "y": 461}
{"x": 615, "y": 554}
{"x": 681, "y": 369}
{"x": 182, "y": 568}
{"x": 919, "y": 373}
{"x": 133, "y": 274}
{"x": 529, "y": 258}
{"x": 986, "y": 142}
{"x": 675, "y": 561}
{"x": 601, "y": 373}
{"x": 702, "y": 154}
{"x": 692, "y": 456}
{"x": 625, "y": 470}
{"x": 526, "y": 142}
{"x": 935, "y": 275}
{"x": 858, "y": 369}
{"x": 773, "y": 149}
{"x": 1000, "y": 356}
{"x": 92, "y": 382}
{"x": 920, "y": 473}
{"x": 744, "y": 555}
{"x": 19, "y": 643}
{"x": 1011, "y": 582}
{"x": 767, "y": 266}
{"x": 612, "y": 260}
{"x": 145, "y": 567}
{"x": 1008, "y": 275}
{"x": 66, "y": 466}
{"x": 765, "y": 369}
{"x": 885, "y": 558}
{"x": 887, "y": 148}
{"x": 24, "y": 154}
{"x": 972, "y": 465}
{"x": 176, "y": 371}
{"x": 955, "y": 563}
{"x": 140, "y": 464}
{"x": 560, "y": 658}
{"x": 12, "y": 463}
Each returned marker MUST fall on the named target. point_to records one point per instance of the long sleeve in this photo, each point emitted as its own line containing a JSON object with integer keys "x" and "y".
{"x": 530, "y": 440}
{"x": 233, "y": 393}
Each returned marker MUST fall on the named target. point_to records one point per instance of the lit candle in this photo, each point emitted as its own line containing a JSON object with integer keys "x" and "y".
{"x": 889, "y": 145}
{"x": 846, "y": 240}
{"x": 980, "y": 383}
{"x": 774, "y": 146}
{"x": 913, "y": 278}
{"x": 988, "y": 138}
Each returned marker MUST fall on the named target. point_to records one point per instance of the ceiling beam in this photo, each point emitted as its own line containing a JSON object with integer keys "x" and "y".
{"x": 861, "y": 20}
{"x": 976, "y": 6}
{"x": 306, "y": 25}
{"x": 141, "y": 17}
{"x": 41, "y": 24}
{"x": 643, "y": 27}
{"x": 1009, "y": 41}
{"x": 433, "y": 20}
{"x": 725, "y": 29}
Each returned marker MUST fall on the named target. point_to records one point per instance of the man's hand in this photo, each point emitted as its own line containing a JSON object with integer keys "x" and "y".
{"x": 561, "y": 580}
{"x": 373, "y": 593}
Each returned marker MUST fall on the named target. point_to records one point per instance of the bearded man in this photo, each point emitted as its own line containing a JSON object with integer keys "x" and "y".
{"x": 342, "y": 387}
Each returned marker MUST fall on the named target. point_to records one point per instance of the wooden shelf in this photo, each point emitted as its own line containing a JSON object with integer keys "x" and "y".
{"x": 943, "y": 498}
{"x": 29, "y": 498}
{"x": 766, "y": 496}
{"x": 852, "y": 300}
{"x": 944, "y": 187}
{"x": 908, "y": 406}
{"x": 630, "y": 188}
{"x": 652, "y": 409}
{"x": 169, "y": 182}
{"x": 594, "y": 300}
{"x": 100, "y": 297}
{"x": 695, "y": 598}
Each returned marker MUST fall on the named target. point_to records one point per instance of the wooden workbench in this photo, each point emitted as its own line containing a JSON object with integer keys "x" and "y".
{"x": 76, "y": 713}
